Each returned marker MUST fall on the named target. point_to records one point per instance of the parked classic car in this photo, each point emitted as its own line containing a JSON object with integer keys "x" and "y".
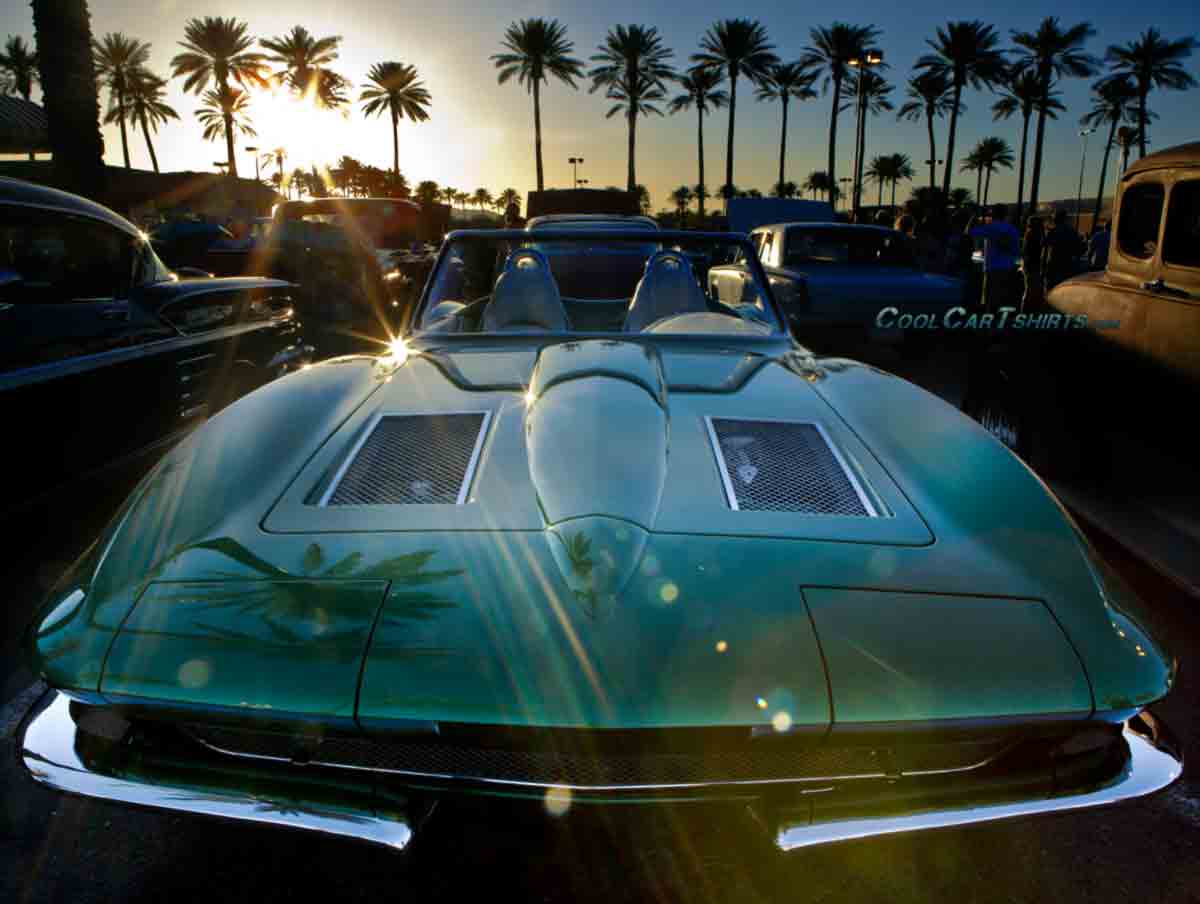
{"x": 104, "y": 356}
{"x": 1091, "y": 397}
{"x": 832, "y": 278}
{"x": 631, "y": 549}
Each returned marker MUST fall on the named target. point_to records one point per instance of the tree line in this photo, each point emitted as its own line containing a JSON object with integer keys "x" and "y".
{"x": 220, "y": 61}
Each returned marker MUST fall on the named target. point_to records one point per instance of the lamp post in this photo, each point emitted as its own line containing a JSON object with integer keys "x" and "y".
{"x": 870, "y": 58}
{"x": 253, "y": 150}
{"x": 575, "y": 161}
{"x": 1084, "y": 133}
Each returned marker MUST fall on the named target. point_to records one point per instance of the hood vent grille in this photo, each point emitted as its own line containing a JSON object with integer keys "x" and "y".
{"x": 785, "y": 466}
{"x": 411, "y": 459}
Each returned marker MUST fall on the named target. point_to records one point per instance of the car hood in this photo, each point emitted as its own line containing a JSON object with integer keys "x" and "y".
{"x": 595, "y": 572}
{"x": 861, "y": 284}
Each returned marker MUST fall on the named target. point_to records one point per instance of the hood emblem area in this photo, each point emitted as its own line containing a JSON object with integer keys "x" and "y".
{"x": 785, "y": 466}
{"x": 411, "y": 459}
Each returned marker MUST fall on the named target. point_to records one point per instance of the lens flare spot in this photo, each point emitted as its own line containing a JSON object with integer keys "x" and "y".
{"x": 669, "y": 592}
{"x": 195, "y": 673}
{"x": 781, "y": 722}
{"x": 761, "y": 703}
{"x": 722, "y": 646}
{"x": 398, "y": 351}
{"x": 558, "y": 801}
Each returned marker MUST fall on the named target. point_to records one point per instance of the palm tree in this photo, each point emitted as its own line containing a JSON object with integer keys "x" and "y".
{"x": 145, "y": 106}
{"x": 118, "y": 57}
{"x": 219, "y": 49}
{"x": 1112, "y": 103}
{"x": 394, "y": 88}
{"x": 1153, "y": 62}
{"x": 992, "y": 152}
{"x": 785, "y": 189}
{"x": 831, "y": 51}
{"x": 973, "y": 163}
{"x": 898, "y": 167}
{"x": 427, "y": 193}
{"x": 874, "y": 96}
{"x": 1051, "y": 53}
{"x": 817, "y": 183}
{"x": 735, "y": 47}
{"x": 509, "y": 197}
{"x": 701, "y": 89}
{"x": 964, "y": 53}
{"x": 961, "y": 197}
{"x": 929, "y": 97}
{"x": 878, "y": 171}
{"x": 633, "y": 68}
{"x": 1021, "y": 93}
{"x": 482, "y": 198}
{"x": 62, "y": 30}
{"x": 643, "y": 198}
{"x": 224, "y": 112}
{"x": 783, "y": 82}
{"x": 682, "y": 197}
{"x": 1127, "y": 137}
{"x": 536, "y": 49}
{"x": 19, "y": 63}
{"x": 276, "y": 156}
{"x": 303, "y": 62}
{"x": 297, "y": 179}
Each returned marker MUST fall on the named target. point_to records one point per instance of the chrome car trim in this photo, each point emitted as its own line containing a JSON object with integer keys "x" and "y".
{"x": 48, "y": 751}
{"x": 1155, "y": 761}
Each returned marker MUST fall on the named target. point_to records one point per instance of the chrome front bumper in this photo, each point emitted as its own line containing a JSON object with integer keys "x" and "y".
{"x": 51, "y": 745}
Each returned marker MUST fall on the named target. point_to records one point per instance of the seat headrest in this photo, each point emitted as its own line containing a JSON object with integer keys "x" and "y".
{"x": 668, "y": 286}
{"x": 525, "y": 296}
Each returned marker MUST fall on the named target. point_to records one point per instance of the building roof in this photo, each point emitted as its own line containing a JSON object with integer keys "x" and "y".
{"x": 1180, "y": 155}
{"x": 23, "y": 127}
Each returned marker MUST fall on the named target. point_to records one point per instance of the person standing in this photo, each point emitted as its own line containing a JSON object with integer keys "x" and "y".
{"x": 1000, "y": 245}
{"x": 1031, "y": 264}
{"x": 1098, "y": 247}
{"x": 1060, "y": 251}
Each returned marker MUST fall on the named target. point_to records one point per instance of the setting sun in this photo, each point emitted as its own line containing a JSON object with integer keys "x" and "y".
{"x": 308, "y": 133}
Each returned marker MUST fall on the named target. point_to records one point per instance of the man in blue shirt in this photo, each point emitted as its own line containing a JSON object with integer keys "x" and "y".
{"x": 1001, "y": 247}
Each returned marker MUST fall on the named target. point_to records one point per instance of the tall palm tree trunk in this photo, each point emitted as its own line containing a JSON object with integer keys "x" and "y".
{"x": 932, "y": 151}
{"x": 894, "y": 181}
{"x": 149, "y": 143}
{"x": 979, "y": 185}
{"x": 987, "y": 186}
{"x": 395, "y": 144}
{"x": 949, "y": 170}
{"x": 229, "y": 144}
{"x": 783, "y": 142}
{"x": 1021, "y": 166}
{"x": 700, "y": 148}
{"x": 1143, "y": 90}
{"x": 879, "y": 201}
{"x": 1035, "y": 179}
{"x": 1112, "y": 134}
{"x": 63, "y": 33}
{"x": 833, "y": 118}
{"x": 121, "y": 120}
{"x": 733, "y": 74}
{"x": 862, "y": 149}
{"x": 26, "y": 95}
{"x": 631, "y": 178}
{"x": 537, "y": 133}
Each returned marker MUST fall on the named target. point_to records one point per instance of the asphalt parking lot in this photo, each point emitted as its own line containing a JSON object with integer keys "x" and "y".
{"x": 54, "y": 848}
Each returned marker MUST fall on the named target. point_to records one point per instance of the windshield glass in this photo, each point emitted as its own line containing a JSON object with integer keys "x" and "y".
{"x": 848, "y": 247}
{"x": 595, "y": 283}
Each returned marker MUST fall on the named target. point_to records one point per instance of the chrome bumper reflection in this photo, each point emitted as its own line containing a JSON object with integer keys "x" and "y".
{"x": 48, "y": 749}
{"x": 1155, "y": 761}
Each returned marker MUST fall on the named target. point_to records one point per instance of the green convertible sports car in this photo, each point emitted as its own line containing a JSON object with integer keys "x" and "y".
{"x": 593, "y": 532}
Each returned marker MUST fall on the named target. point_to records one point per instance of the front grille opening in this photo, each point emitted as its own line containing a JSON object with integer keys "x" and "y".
{"x": 785, "y": 466}
{"x": 411, "y": 459}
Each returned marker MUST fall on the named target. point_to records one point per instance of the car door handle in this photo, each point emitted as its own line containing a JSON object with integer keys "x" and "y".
{"x": 1160, "y": 287}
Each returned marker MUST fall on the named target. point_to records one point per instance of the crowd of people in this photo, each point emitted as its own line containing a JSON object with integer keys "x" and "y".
{"x": 1016, "y": 270}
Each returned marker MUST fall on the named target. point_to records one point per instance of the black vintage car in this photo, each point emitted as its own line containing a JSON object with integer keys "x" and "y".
{"x": 106, "y": 358}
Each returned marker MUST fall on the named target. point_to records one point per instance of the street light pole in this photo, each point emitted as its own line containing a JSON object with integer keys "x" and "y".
{"x": 1082, "y": 160}
{"x": 575, "y": 161}
{"x": 870, "y": 58}
{"x": 254, "y": 151}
